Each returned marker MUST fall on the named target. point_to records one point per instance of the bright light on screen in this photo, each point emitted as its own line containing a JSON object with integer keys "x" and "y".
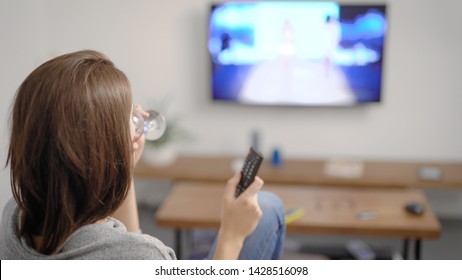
{"x": 296, "y": 53}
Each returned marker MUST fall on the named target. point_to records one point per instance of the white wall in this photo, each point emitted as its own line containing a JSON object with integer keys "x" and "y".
{"x": 23, "y": 46}
{"x": 161, "y": 47}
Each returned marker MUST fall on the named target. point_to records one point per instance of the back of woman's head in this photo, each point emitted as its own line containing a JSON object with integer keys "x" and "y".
{"x": 70, "y": 149}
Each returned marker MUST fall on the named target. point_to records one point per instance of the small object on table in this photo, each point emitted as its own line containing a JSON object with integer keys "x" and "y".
{"x": 276, "y": 158}
{"x": 415, "y": 208}
{"x": 294, "y": 214}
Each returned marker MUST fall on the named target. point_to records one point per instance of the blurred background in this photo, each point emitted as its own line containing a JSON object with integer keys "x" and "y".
{"x": 162, "y": 48}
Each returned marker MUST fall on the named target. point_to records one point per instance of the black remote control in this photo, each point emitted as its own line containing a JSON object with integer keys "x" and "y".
{"x": 249, "y": 170}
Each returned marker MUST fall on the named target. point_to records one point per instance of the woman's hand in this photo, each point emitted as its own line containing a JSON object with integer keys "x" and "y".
{"x": 239, "y": 217}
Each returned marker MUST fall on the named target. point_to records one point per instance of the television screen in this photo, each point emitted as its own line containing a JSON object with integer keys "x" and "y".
{"x": 296, "y": 53}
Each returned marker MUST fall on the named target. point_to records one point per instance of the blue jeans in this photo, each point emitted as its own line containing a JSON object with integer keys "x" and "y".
{"x": 266, "y": 242}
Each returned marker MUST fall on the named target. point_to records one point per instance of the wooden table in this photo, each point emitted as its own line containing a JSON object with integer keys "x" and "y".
{"x": 328, "y": 210}
{"x": 385, "y": 174}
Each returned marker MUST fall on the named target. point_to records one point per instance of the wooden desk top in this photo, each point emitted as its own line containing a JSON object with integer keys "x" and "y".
{"x": 328, "y": 210}
{"x": 305, "y": 172}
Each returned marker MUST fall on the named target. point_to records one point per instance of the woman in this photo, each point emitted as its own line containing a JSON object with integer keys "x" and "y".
{"x": 72, "y": 153}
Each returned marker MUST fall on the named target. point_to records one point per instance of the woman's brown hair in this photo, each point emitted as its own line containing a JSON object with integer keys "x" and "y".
{"x": 70, "y": 148}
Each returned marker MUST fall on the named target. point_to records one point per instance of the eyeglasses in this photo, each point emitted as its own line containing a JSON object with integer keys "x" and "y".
{"x": 153, "y": 126}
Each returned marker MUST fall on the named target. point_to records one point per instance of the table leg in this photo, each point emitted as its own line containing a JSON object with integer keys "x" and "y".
{"x": 405, "y": 249}
{"x": 417, "y": 249}
{"x": 418, "y": 244}
{"x": 178, "y": 239}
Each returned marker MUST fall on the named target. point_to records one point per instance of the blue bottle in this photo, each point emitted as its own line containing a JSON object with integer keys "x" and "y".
{"x": 276, "y": 159}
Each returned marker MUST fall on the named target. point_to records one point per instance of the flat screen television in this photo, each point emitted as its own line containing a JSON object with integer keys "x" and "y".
{"x": 296, "y": 53}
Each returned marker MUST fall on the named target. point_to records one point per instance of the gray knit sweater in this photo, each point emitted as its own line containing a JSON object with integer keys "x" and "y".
{"x": 109, "y": 240}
